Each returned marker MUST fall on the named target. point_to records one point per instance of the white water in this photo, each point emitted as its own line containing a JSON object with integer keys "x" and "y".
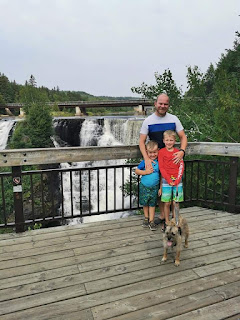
{"x": 114, "y": 132}
{"x": 5, "y": 128}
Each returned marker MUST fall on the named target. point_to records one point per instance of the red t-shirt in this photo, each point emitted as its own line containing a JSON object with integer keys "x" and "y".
{"x": 172, "y": 172}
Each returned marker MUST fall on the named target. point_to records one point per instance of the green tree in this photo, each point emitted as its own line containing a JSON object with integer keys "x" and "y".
{"x": 6, "y": 89}
{"x": 164, "y": 83}
{"x": 36, "y": 130}
{"x": 226, "y": 95}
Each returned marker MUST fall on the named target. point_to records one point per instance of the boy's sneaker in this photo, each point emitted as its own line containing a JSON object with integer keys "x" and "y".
{"x": 152, "y": 226}
{"x": 145, "y": 223}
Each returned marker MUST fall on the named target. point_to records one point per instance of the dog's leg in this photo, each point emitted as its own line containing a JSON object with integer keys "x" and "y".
{"x": 164, "y": 258}
{"x": 177, "y": 258}
{"x": 186, "y": 241}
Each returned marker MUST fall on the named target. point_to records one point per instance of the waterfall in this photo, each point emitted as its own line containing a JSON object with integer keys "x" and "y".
{"x": 110, "y": 132}
{"x": 5, "y": 128}
{"x": 91, "y": 131}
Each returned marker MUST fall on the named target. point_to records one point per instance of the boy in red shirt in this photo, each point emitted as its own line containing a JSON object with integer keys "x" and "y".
{"x": 171, "y": 173}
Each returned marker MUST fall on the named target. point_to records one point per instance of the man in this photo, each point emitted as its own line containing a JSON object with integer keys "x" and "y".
{"x": 154, "y": 127}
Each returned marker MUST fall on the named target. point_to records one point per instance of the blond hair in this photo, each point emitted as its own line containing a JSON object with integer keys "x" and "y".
{"x": 151, "y": 144}
{"x": 169, "y": 133}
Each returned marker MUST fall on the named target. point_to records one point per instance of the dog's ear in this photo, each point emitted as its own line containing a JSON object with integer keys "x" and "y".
{"x": 180, "y": 231}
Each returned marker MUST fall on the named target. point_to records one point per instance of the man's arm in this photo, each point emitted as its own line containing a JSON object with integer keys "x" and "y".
{"x": 142, "y": 147}
{"x": 178, "y": 156}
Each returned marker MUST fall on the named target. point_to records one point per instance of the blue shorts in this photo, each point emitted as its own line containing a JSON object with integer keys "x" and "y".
{"x": 148, "y": 195}
{"x": 169, "y": 192}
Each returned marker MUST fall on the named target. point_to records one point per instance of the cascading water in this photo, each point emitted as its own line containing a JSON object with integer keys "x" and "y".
{"x": 5, "y": 128}
{"x": 110, "y": 132}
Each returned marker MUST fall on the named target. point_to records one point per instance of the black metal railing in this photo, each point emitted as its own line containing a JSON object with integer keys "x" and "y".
{"x": 57, "y": 195}
{"x": 63, "y": 194}
{"x": 213, "y": 184}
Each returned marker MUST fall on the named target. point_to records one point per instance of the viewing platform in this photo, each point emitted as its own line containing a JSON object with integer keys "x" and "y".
{"x": 113, "y": 270}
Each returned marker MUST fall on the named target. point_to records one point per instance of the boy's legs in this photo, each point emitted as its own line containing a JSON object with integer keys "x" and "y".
{"x": 152, "y": 225}
{"x": 148, "y": 199}
{"x": 166, "y": 198}
{"x": 177, "y": 196}
{"x": 151, "y": 214}
{"x": 145, "y": 222}
{"x": 167, "y": 211}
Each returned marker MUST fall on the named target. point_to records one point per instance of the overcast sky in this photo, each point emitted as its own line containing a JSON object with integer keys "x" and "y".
{"x": 105, "y": 47}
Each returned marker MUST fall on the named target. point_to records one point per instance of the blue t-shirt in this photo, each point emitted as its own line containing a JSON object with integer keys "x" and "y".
{"x": 152, "y": 179}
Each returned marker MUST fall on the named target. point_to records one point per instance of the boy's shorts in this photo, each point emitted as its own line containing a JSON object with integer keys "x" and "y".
{"x": 148, "y": 195}
{"x": 169, "y": 192}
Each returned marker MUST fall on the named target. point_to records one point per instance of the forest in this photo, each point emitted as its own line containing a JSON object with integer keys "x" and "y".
{"x": 208, "y": 109}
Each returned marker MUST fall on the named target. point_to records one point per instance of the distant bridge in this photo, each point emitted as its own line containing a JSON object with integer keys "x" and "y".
{"x": 140, "y": 105}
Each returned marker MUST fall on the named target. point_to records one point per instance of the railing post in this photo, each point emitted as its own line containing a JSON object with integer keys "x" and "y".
{"x": 233, "y": 183}
{"x": 18, "y": 201}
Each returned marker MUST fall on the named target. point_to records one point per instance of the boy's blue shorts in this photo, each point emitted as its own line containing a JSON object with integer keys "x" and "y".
{"x": 169, "y": 192}
{"x": 148, "y": 195}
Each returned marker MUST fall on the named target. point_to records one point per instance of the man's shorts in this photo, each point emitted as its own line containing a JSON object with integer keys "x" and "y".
{"x": 169, "y": 192}
{"x": 148, "y": 195}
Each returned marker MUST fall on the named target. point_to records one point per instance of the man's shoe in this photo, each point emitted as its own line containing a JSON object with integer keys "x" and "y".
{"x": 145, "y": 223}
{"x": 152, "y": 226}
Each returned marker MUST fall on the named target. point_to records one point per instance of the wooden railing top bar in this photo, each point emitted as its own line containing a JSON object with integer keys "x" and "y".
{"x": 22, "y": 157}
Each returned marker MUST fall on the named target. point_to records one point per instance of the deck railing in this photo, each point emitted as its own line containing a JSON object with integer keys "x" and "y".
{"x": 59, "y": 194}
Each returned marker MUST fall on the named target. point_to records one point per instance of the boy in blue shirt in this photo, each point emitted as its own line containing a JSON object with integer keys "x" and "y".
{"x": 149, "y": 185}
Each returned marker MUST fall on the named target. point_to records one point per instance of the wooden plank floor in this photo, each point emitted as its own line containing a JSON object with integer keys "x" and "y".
{"x": 113, "y": 270}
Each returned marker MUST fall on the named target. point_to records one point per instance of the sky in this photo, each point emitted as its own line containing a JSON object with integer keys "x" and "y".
{"x": 105, "y": 47}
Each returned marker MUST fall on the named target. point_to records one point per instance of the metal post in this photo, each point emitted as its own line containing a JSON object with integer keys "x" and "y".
{"x": 18, "y": 201}
{"x": 233, "y": 183}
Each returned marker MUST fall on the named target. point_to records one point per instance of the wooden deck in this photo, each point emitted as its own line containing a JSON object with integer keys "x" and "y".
{"x": 113, "y": 270}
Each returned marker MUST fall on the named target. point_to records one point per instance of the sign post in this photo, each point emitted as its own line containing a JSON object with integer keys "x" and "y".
{"x": 18, "y": 200}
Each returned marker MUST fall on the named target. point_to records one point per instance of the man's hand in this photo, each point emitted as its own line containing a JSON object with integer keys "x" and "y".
{"x": 178, "y": 156}
{"x": 149, "y": 170}
{"x": 148, "y": 163}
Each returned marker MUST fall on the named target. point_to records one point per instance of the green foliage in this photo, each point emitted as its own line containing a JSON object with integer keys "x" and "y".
{"x": 36, "y": 130}
{"x": 164, "y": 83}
{"x": 209, "y": 109}
{"x": 8, "y": 90}
{"x": 36, "y": 226}
{"x": 6, "y": 188}
{"x": 6, "y": 230}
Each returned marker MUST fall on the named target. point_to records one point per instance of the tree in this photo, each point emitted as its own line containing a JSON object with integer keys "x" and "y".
{"x": 164, "y": 84}
{"x": 226, "y": 95}
{"x": 32, "y": 81}
{"x": 36, "y": 130}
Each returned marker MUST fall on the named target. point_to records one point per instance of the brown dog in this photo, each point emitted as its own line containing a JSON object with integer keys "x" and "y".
{"x": 173, "y": 237}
